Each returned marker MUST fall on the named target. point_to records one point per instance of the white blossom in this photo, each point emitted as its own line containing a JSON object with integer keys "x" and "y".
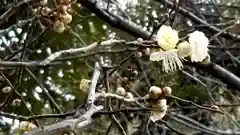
{"x": 199, "y": 43}
{"x": 167, "y": 38}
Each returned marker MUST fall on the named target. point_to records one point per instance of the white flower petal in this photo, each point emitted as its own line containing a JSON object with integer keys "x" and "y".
{"x": 184, "y": 49}
{"x": 161, "y": 109}
{"x": 157, "y": 56}
{"x": 170, "y": 60}
{"x": 157, "y": 116}
{"x": 167, "y": 37}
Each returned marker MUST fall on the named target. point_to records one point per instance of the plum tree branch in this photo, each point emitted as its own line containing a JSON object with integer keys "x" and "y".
{"x": 137, "y": 31}
{"x": 84, "y": 116}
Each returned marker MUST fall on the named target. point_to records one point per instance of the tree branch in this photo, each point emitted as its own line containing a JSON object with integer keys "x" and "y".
{"x": 130, "y": 27}
{"x": 84, "y": 117}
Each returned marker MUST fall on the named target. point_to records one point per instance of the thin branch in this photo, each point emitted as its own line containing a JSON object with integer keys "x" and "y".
{"x": 130, "y": 27}
{"x": 50, "y": 98}
{"x": 199, "y": 20}
{"x": 196, "y": 105}
{"x": 4, "y": 17}
{"x": 29, "y": 118}
{"x": 200, "y": 127}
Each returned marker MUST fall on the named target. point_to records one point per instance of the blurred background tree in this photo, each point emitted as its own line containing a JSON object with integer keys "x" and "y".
{"x": 32, "y": 30}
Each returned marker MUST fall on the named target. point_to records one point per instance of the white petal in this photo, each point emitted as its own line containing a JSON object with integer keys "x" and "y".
{"x": 167, "y": 37}
{"x": 157, "y": 116}
{"x": 157, "y": 56}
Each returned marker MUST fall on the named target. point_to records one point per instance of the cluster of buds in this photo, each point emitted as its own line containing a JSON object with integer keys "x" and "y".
{"x": 158, "y": 101}
{"x": 59, "y": 16}
{"x": 62, "y": 17}
{"x": 122, "y": 92}
{"x": 27, "y": 126}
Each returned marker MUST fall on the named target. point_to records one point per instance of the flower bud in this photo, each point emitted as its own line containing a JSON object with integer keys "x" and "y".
{"x": 215, "y": 107}
{"x": 155, "y": 92}
{"x": 66, "y": 18}
{"x": 184, "y": 49}
{"x": 129, "y": 95}
{"x": 24, "y": 125}
{"x": 85, "y": 85}
{"x": 66, "y": 2}
{"x": 63, "y": 8}
{"x": 135, "y": 72}
{"x": 167, "y": 91}
{"x": 121, "y": 91}
{"x": 45, "y": 11}
{"x": 147, "y": 51}
{"x": 58, "y": 27}
{"x": 31, "y": 127}
{"x": 16, "y": 102}
{"x": 43, "y": 2}
{"x": 138, "y": 54}
{"x": 7, "y": 89}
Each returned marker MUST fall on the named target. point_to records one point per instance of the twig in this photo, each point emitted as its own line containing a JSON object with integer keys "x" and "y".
{"x": 29, "y": 118}
{"x": 50, "y": 98}
{"x": 200, "y": 127}
{"x": 198, "y": 106}
{"x": 4, "y": 17}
